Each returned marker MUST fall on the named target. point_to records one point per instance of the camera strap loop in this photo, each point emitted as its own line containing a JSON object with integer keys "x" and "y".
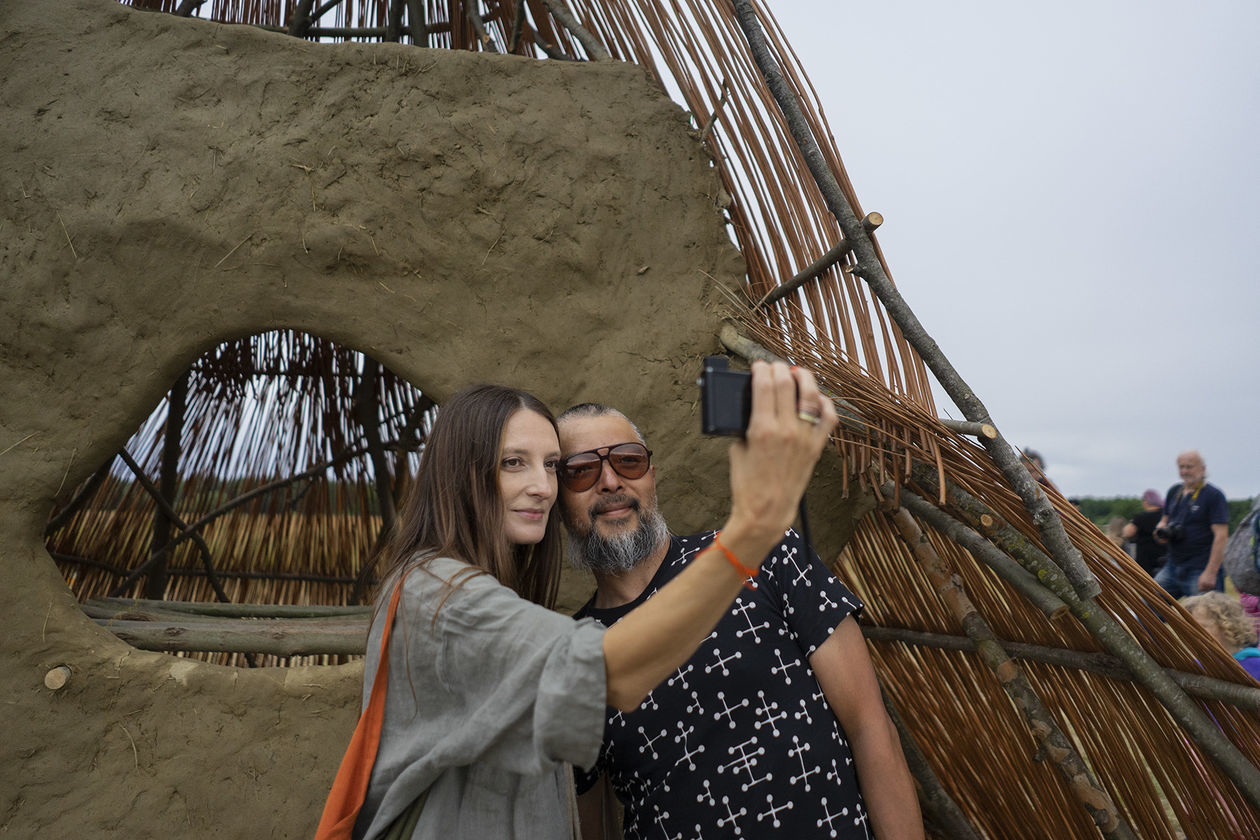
{"x": 1180, "y": 511}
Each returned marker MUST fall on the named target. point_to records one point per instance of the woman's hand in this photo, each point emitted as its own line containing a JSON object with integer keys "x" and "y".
{"x": 771, "y": 467}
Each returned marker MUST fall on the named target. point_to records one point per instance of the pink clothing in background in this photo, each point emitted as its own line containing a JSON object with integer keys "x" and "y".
{"x": 1251, "y": 606}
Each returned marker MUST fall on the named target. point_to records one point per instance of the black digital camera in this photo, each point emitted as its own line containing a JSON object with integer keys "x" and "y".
{"x": 1173, "y": 532}
{"x": 725, "y": 398}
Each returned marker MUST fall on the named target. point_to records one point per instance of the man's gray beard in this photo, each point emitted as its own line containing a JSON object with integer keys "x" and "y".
{"x": 622, "y": 551}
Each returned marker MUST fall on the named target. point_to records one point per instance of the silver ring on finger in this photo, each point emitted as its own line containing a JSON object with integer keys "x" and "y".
{"x": 808, "y": 416}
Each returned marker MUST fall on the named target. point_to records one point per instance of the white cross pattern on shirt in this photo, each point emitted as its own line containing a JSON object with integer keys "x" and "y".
{"x": 681, "y": 738}
{"x": 661, "y": 816}
{"x": 771, "y": 717}
{"x": 799, "y": 750}
{"x": 727, "y": 710}
{"x": 721, "y": 662}
{"x": 707, "y": 796}
{"x": 802, "y": 576}
{"x": 741, "y": 609}
{"x": 773, "y": 813}
{"x": 681, "y": 676}
{"x": 746, "y": 762}
{"x": 843, "y": 812}
{"x": 731, "y": 816}
{"x": 782, "y": 667}
{"x": 648, "y": 742}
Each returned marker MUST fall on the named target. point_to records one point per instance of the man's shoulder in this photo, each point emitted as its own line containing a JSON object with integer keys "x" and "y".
{"x": 1216, "y": 500}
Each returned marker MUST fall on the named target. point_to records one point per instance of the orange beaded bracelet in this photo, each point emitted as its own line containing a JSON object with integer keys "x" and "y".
{"x": 747, "y": 573}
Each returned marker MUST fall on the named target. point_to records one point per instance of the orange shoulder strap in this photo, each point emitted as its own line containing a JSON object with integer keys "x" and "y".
{"x": 349, "y": 789}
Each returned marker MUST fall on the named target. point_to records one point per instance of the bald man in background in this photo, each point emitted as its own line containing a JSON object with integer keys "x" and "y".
{"x": 1195, "y": 527}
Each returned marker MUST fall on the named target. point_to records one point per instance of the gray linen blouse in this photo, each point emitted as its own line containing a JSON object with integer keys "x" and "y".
{"x": 484, "y": 707}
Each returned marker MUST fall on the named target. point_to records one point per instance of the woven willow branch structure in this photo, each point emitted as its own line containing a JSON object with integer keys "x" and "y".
{"x": 1046, "y": 686}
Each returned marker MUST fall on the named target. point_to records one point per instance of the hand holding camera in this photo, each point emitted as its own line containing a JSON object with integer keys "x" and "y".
{"x": 784, "y": 422}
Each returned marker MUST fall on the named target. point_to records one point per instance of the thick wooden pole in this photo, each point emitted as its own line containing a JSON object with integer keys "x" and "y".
{"x": 162, "y": 553}
{"x": 869, "y": 267}
{"x": 187, "y": 7}
{"x": 415, "y": 23}
{"x": 300, "y": 22}
{"x": 1041, "y": 722}
{"x": 85, "y": 492}
{"x": 393, "y": 26}
{"x": 565, "y": 18}
{"x": 168, "y": 487}
{"x": 940, "y": 811}
{"x": 826, "y": 261}
{"x": 367, "y": 403}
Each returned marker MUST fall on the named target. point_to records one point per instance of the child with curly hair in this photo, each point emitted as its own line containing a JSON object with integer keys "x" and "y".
{"x": 1222, "y": 616}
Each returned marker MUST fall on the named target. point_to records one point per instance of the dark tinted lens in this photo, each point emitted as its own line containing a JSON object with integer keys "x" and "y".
{"x": 629, "y": 460}
{"x": 579, "y": 472}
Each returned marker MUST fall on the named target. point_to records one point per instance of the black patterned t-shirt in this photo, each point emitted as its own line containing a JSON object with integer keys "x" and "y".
{"x": 740, "y": 741}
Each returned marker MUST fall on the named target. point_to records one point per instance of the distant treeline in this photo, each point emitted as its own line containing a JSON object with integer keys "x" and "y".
{"x": 1100, "y": 511}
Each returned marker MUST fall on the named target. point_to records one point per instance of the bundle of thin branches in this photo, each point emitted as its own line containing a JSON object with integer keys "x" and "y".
{"x": 932, "y": 664}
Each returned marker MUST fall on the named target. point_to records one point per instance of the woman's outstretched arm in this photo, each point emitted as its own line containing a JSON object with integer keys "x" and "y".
{"x": 770, "y": 469}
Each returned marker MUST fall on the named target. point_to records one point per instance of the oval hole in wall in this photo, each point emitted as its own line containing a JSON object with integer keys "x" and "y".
{"x": 280, "y": 456}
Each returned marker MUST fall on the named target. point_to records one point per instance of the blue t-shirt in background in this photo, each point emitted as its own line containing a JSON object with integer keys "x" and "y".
{"x": 1196, "y": 513}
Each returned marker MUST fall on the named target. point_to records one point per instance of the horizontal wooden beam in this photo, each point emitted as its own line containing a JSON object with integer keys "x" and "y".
{"x": 214, "y": 608}
{"x": 1103, "y": 664}
{"x": 274, "y": 637}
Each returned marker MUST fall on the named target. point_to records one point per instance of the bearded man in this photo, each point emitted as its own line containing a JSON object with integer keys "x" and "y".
{"x": 776, "y": 726}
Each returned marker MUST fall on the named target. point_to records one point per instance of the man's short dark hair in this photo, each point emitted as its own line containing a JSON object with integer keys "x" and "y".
{"x": 590, "y": 409}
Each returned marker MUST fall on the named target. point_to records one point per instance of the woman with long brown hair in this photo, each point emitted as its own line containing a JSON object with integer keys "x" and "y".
{"x": 491, "y": 695}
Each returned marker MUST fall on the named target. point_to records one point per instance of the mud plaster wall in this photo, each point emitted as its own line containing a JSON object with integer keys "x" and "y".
{"x": 170, "y": 183}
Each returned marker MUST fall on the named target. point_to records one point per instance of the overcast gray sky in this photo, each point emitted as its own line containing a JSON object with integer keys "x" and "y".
{"x": 1071, "y": 207}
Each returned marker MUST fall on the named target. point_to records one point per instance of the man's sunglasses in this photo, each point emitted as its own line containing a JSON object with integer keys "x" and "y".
{"x": 581, "y": 470}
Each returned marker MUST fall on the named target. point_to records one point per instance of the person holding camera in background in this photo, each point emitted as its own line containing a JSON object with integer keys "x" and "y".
{"x": 1140, "y": 531}
{"x": 1195, "y": 527}
{"x": 775, "y": 727}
